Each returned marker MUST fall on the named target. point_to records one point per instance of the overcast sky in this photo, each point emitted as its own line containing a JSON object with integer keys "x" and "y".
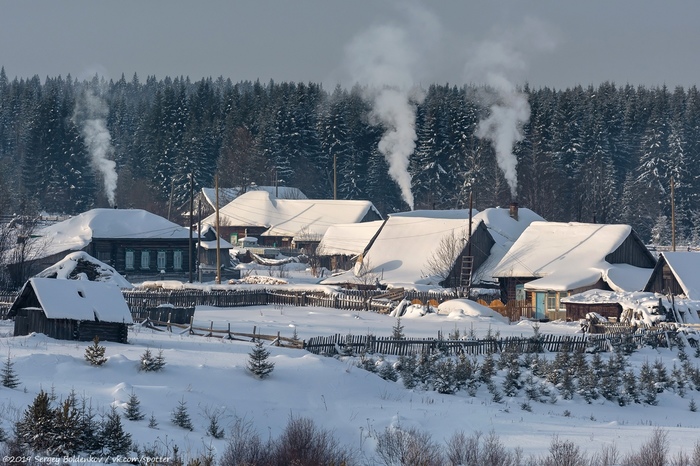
{"x": 545, "y": 43}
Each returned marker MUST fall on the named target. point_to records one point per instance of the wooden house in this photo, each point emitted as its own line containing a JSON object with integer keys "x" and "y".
{"x": 286, "y": 223}
{"x": 137, "y": 243}
{"x": 677, "y": 274}
{"x": 71, "y": 310}
{"x": 401, "y": 252}
{"x": 341, "y": 245}
{"x": 205, "y": 201}
{"x": 551, "y": 261}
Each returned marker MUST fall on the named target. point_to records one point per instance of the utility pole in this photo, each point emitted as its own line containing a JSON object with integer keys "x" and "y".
{"x": 191, "y": 223}
{"x": 218, "y": 243}
{"x": 673, "y": 218}
{"x": 335, "y": 177}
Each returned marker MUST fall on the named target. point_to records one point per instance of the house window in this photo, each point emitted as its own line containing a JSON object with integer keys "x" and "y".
{"x": 160, "y": 260}
{"x": 145, "y": 259}
{"x": 104, "y": 256}
{"x": 552, "y": 304}
{"x": 177, "y": 260}
{"x": 129, "y": 259}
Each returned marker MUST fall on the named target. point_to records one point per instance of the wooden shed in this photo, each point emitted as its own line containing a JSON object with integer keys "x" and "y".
{"x": 71, "y": 310}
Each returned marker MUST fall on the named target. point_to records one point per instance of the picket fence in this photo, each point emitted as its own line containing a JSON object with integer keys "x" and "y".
{"x": 139, "y": 300}
{"x": 339, "y": 344}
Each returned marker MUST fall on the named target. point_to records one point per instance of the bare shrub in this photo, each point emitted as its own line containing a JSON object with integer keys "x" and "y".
{"x": 564, "y": 453}
{"x": 244, "y": 447}
{"x": 608, "y": 456}
{"x": 653, "y": 453}
{"x": 462, "y": 450}
{"x": 493, "y": 452}
{"x": 303, "y": 443}
{"x": 403, "y": 447}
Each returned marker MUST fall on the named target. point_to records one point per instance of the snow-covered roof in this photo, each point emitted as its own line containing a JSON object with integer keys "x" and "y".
{"x": 226, "y": 195}
{"x": 208, "y": 232}
{"x": 290, "y": 217}
{"x": 77, "y": 232}
{"x": 80, "y": 300}
{"x": 567, "y": 256}
{"x": 66, "y": 269}
{"x": 348, "y": 239}
{"x": 686, "y": 267}
{"x": 402, "y": 248}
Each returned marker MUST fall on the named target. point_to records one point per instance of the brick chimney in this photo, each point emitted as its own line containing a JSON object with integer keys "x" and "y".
{"x": 514, "y": 210}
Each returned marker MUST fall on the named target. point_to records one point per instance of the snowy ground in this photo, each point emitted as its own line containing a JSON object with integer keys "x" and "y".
{"x": 210, "y": 374}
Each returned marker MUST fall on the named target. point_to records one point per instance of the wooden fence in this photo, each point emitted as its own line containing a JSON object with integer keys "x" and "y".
{"x": 140, "y": 300}
{"x": 356, "y": 344}
{"x": 224, "y": 333}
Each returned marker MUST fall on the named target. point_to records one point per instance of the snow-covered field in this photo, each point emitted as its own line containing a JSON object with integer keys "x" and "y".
{"x": 210, "y": 376}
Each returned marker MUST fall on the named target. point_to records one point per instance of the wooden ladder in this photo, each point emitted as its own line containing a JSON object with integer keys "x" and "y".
{"x": 465, "y": 277}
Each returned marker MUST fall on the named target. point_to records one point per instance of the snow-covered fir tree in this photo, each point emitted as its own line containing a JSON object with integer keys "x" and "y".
{"x": 95, "y": 354}
{"x": 132, "y": 411}
{"x": 115, "y": 441}
{"x": 10, "y": 379}
{"x": 258, "y": 361}
{"x": 181, "y": 417}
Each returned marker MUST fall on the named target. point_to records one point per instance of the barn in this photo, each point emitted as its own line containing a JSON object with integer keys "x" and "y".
{"x": 71, "y": 310}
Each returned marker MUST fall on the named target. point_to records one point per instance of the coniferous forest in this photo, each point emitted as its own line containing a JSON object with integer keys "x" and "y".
{"x": 605, "y": 154}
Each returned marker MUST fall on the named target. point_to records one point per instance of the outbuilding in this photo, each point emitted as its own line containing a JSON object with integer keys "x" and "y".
{"x": 71, "y": 310}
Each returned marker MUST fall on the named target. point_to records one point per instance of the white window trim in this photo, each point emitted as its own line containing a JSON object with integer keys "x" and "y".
{"x": 146, "y": 255}
{"x": 177, "y": 260}
{"x": 161, "y": 260}
{"x": 129, "y": 259}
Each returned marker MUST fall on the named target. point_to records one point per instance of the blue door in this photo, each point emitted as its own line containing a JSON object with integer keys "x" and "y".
{"x": 540, "y": 299}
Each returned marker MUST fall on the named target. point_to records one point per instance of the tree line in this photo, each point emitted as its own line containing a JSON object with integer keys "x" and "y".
{"x": 606, "y": 154}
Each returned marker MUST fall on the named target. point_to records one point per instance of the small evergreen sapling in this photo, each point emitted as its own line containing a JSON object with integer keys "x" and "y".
{"x": 115, "y": 442}
{"x": 133, "y": 408}
{"x": 181, "y": 417}
{"x": 152, "y": 421}
{"x": 95, "y": 354}
{"x": 9, "y": 376}
{"x": 258, "y": 362}
{"x": 150, "y": 363}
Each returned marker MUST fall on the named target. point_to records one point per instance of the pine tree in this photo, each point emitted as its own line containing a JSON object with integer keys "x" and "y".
{"x": 35, "y": 428}
{"x": 67, "y": 435}
{"x": 258, "y": 362}
{"x": 89, "y": 427}
{"x": 397, "y": 330}
{"x": 10, "y": 379}
{"x": 387, "y": 371}
{"x": 406, "y": 367}
{"x": 181, "y": 417}
{"x": 150, "y": 363}
{"x": 444, "y": 376}
{"x": 133, "y": 408}
{"x": 115, "y": 442}
{"x": 152, "y": 421}
{"x": 95, "y": 354}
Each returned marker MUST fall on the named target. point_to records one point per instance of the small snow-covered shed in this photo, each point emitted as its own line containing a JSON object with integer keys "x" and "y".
{"x": 676, "y": 273}
{"x": 71, "y": 310}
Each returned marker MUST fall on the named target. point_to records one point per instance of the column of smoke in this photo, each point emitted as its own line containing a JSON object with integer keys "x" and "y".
{"x": 90, "y": 116}
{"x": 503, "y": 127}
{"x": 496, "y": 62}
{"x": 384, "y": 59}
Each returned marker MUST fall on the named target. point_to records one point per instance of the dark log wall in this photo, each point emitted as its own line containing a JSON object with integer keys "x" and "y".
{"x": 632, "y": 252}
{"x": 34, "y": 320}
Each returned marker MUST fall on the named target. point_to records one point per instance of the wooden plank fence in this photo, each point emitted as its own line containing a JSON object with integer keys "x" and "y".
{"x": 357, "y": 344}
{"x": 224, "y": 333}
